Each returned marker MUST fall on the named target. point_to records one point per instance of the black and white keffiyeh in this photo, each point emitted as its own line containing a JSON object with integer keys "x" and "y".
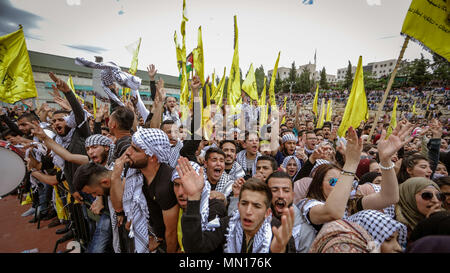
{"x": 204, "y": 201}
{"x": 65, "y": 142}
{"x": 235, "y": 233}
{"x": 288, "y": 137}
{"x": 101, "y": 140}
{"x": 175, "y": 154}
{"x": 241, "y": 158}
{"x": 317, "y": 164}
{"x": 379, "y": 225}
{"x": 136, "y": 209}
{"x": 224, "y": 185}
{"x": 236, "y": 171}
{"x": 297, "y": 161}
{"x": 389, "y": 210}
{"x": 153, "y": 142}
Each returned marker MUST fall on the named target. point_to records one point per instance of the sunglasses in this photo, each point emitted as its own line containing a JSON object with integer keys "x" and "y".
{"x": 427, "y": 196}
{"x": 333, "y": 181}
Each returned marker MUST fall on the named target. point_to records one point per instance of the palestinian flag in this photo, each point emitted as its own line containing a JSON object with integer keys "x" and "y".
{"x": 190, "y": 63}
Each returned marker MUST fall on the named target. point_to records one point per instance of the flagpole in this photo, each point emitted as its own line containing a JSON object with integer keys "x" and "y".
{"x": 388, "y": 88}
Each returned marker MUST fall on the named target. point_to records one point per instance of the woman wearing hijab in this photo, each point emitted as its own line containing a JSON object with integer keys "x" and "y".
{"x": 388, "y": 234}
{"x": 292, "y": 165}
{"x": 419, "y": 198}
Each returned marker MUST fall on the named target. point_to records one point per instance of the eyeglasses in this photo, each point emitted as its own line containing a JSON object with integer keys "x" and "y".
{"x": 333, "y": 181}
{"x": 427, "y": 196}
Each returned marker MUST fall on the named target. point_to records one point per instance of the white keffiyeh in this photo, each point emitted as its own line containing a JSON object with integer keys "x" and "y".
{"x": 153, "y": 142}
{"x": 101, "y": 140}
{"x": 225, "y": 184}
{"x": 236, "y": 171}
{"x": 297, "y": 161}
{"x": 241, "y": 158}
{"x": 65, "y": 142}
{"x": 136, "y": 209}
{"x": 175, "y": 154}
{"x": 235, "y": 233}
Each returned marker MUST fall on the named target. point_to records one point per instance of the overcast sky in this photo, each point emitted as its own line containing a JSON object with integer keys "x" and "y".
{"x": 339, "y": 30}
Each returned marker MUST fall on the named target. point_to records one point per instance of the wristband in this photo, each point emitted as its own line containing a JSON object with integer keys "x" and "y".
{"x": 387, "y": 168}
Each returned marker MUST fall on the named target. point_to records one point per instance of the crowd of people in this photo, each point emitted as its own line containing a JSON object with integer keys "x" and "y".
{"x": 128, "y": 180}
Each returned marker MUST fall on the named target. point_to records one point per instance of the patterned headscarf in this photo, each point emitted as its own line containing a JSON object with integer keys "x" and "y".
{"x": 288, "y": 137}
{"x": 297, "y": 161}
{"x": 153, "y": 142}
{"x": 101, "y": 140}
{"x": 406, "y": 210}
{"x": 317, "y": 164}
{"x": 379, "y": 225}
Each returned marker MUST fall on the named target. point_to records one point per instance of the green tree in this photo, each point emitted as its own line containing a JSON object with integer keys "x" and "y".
{"x": 292, "y": 73}
{"x": 304, "y": 84}
{"x": 278, "y": 84}
{"x": 348, "y": 77}
{"x": 259, "y": 76}
{"x": 441, "y": 70}
{"x": 323, "y": 79}
{"x": 420, "y": 75}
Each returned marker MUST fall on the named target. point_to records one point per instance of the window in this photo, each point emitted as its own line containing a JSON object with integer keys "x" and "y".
{"x": 390, "y": 70}
{"x": 375, "y": 66}
{"x": 390, "y": 64}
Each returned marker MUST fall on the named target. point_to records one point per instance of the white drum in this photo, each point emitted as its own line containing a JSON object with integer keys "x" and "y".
{"x": 12, "y": 168}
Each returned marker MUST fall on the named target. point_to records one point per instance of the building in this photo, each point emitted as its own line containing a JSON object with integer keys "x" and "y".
{"x": 283, "y": 73}
{"x": 340, "y": 76}
{"x": 330, "y": 78}
{"x": 63, "y": 67}
{"x": 380, "y": 69}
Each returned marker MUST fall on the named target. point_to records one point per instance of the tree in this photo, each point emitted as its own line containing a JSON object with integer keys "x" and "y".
{"x": 292, "y": 73}
{"x": 323, "y": 79}
{"x": 441, "y": 70}
{"x": 259, "y": 76}
{"x": 304, "y": 83}
{"x": 420, "y": 75}
{"x": 278, "y": 84}
{"x": 372, "y": 83}
{"x": 348, "y": 76}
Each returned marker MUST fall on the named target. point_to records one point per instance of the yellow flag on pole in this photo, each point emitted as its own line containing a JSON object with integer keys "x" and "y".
{"x": 284, "y": 108}
{"x": 199, "y": 59}
{"x": 414, "y": 108}
{"x": 249, "y": 84}
{"x": 356, "y": 109}
{"x": 273, "y": 102}
{"x": 264, "y": 109}
{"x": 322, "y": 114}
{"x": 17, "y": 82}
{"x": 94, "y": 105}
{"x": 72, "y": 87}
{"x": 181, "y": 55}
{"x": 316, "y": 100}
{"x": 234, "y": 80}
{"x": 427, "y": 22}
{"x": 218, "y": 95}
{"x": 329, "y": 110}
{"x": 134, "y": 50}
{"x": 393, "y": 122}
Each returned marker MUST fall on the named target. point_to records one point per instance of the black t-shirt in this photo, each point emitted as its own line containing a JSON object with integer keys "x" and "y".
{"x": 122, "y": 145}
{"x": 160, "y": 196}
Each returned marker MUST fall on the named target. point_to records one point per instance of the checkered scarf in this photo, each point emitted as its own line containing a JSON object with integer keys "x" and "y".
{"x": 379, "y": 225}
{"x": 297, "y": 161}
{"x": 389, "y": 210}
{"x": 317, "y": 164}
{"x": 153, "y": 142}
{"x": 65, "y": 142}
{"x": 234, "y": 237}
{"x": 236, "y": 171}
{"x": 175, "y": 154}
{"x": 241, "y": 158}
{"x": 225, "y": 183}
{"x": 204, "y": 201}
{"x": 101, "y": 140}
{"x": 288, "y": 137}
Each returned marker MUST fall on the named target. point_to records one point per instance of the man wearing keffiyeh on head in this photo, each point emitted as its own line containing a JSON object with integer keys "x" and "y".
{"x": 148, "y": 179}
{"x": 288, "y": 146}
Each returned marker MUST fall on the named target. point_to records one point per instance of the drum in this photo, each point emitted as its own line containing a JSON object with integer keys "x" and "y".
{"x": 12, "y": 168}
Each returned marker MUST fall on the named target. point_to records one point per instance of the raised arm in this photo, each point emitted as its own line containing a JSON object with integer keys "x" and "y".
{"x": 155, "y": 122}
{"x": 151, "y": 74}
{"x": 117, "y": 183}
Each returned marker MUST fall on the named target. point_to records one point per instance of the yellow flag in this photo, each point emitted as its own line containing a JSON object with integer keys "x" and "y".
{"x": 178, "y": 52}
{"x": 316, "y": 98}
{"x": 329, "y": 110}
{"x": 218, "y": 96}
{"x": 134, "y": 50}
{"x": 181, "y": 54}
{"x": 72, "y": 87}
{"x": 273, "y": 102}
{"x": 427, "y": 22}
{"x": 322, "y": 114}
{"x": 249, "y": 84}
{"x": 414, "y": 108}
{"x": 16, "y": 76}
{"x": 429, "y": 102}
{"x": 199, "y": 59}
{"x": 264, "y": 109}
{"x": 213, "y": 84}
{"x": 356, "y": 109}
{"x": 393, "y": 122}
{"x": 234, "y": 81}
{"x": 94, "y": 105}
{"x": 284, "y": 107}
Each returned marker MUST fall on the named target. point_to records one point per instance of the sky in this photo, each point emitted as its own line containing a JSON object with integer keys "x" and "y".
{"x": 340, "y": 31}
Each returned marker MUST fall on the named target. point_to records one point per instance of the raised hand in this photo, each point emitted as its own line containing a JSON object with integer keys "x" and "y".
{"x": 160, "y": 92}
{"x": 283, "y": 233}
{"x": 102, "y": 111}
{"x": 436, "y": 128}
{"x": 196, "y": 85}
{"x": 192, "y": 182}
{"x": 60, "y": 84}
{"x": 237, "y": 185}
{"x": 37, "y": 131}
{"x": 354, "y": 147}
{"x": 151, "y": 69}
{"x": 63, "y": 103}
{"x": 55, "y": 92}
{"x": 319, "y": 153}
{"x": 399, "y": 137}
{"x": 28, "y": 103}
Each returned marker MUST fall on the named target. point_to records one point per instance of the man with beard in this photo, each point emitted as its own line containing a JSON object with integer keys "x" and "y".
{"x": 147, "y": 197}
{"x": 282, "y": 197}
{"x": 212, "y": 209}
{"x": 326, "y": 129}
{"x": 232, "y": 168}
{"x": 170, "y": 128}
{"x": 251, "y": 229}
{"x": 219, "y": 180}
{"x": 288, "y": 147}
{"x": 246, "y": 158}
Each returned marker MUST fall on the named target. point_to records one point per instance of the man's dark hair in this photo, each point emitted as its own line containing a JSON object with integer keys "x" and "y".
{"x": 166, "y": 122}
{"x": 367, "y": 147}
{"x": 278, "y": 174}
{"x": 213, "y": 102}
{"x": 124, "y": 118}
{"x": 248, "y": 133}
{"x": 213, "y": 150}
{"x": 228, "y": 141}
{"x": 87, "y": 175}
{"x": 105, "y": 128}
{"x": 302, "y": 132}
{"x": 8, "y": 132}
{"x": 326, "y": 124}
{"x": 317, "y": 130}
{"x": 255, "y": 184}
{"x": 309, "y": 132}
{"x": 272, "y": 160}
{"x": 367, "y": 127}
{"x": 61, "y": 111}
{"x": 29, "y": 116}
